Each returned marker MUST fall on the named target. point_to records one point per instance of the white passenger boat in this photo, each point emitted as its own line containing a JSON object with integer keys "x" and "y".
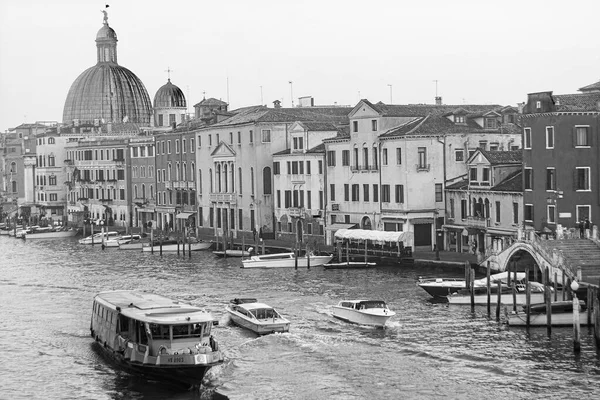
{"x": 155, "y": 335}
{"x": 257, "y": 317}
{"x": 442, "y": 287}
{"x": 116, "y": 241}
{"x": 51, "y": 233}
{"x": 562, "y": 315}
{"x": 285, "y": 260}
{"x": 506, "y": 296}
{"x": 97, "y": 237}
{"x": 363, "y": 312}
{"x": 172, "y": 245}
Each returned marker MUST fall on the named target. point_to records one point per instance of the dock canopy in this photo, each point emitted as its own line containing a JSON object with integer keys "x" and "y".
{"x": 376, "y": 236}
{"x": 184, "y": 215}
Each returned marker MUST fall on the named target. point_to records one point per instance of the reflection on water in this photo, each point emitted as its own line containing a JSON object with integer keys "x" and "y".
{"x": 428, "y": 349}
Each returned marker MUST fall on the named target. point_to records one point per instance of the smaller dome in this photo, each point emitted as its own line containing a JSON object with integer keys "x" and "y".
{"x": 169, "y": 95}
{"x": 106, "y": 32}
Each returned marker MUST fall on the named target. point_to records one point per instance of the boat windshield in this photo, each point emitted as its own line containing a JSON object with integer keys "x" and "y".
{"x": 159, "y": 331}
{"x": 264, "y": 313}
{"x": 372, "y": 304}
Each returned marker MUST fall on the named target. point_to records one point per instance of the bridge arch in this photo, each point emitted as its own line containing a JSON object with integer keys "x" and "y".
{"x": 517, "y": 247}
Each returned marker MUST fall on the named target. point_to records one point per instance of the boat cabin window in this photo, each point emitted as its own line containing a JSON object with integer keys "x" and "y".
{"x": 371, "y": 304}
{"x": 264, "y": 313}
{"x": 160, "y": 331}
{"x": 123, "y": 327}
{"x": 191, "y": 330}
{"x": 141, "y": 331}
{"x": 347, "y": 304}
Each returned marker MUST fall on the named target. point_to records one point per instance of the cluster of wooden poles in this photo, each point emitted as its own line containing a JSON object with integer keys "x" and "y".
{"x": 550, "y": 291}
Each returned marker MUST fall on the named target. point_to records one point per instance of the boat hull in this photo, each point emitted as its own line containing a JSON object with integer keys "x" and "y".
{"x": 350, "y": 265}
{"x": 558, "y": 319}
{"x": 361, "y": 318}
{"x": 232, "y": 253}
{"x": 260, "y": 328}
{"x": 51, "y": 235}
{"x": 506, "y": 299}
{"x": 173, "y": 247}
{"x": 315, "y": 261}
{"x": 131, "y": 246}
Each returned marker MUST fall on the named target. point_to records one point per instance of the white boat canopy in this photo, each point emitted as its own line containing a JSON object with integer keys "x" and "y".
{"x": 376, "y": 236}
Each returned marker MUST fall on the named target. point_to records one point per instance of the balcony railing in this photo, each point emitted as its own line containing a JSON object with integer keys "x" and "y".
{"x": 297, "y": 212}
{"x": 364, "y": 168}
{"x": 423, "y": 167}
{"x": 478, "y": 222}
{"x": 223, "y": 197}
{"x": 168, "y": 185}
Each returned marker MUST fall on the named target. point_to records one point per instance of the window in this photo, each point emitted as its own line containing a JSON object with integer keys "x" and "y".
{"x": 528, "y": 178}
{"x": 309, "y": 199}
{"x": 230, "y": 137}
{"x": 473, "y": 174}
{"x": 582, "y": 136}
{"x": 375, "y": 193}
{"x": 463, "y": 208}
{"x": 288, "y": 198}
{"x": 549, "y": 137}
{"x": 398, "y": 156}
{"x": 551, "y": 214}
{"x": 53, "y": 197}
{"x": 490, "y": 123}
{"x": 498, "y": 209}
{"x": 332, "y": 191}
{"x": 399, "y": 192}
{"x": 582, "y": 178}
{"x": 171, "y": 119}
{"x": 538, "y": 104}
{"x": 160, "y": 120}
{"x": 459, "y": 155}
{"x": 346, "y": 192}
{"x": 527, "y": 138}
{"x": 168, "y": 146}
{"x": 266, "y": 135}
{"x": 459, "y": 119}
{"x": 550, "y": 178}
{"x": 584, "y": 212}
{"x": 330, "y": 159}
{"x": 384, "y": 157}
{"x": 308, "y": 167}
{"x": 365, "y": 192}
{"x": 298, "y": 143}
{"x": 276, "y": 168}
{"x": 374, "y": 125}
{"x": 345, "y": 157}
{"x": 355, "y": 192}
{"x": 210, "y": 140}
{"x": 528, "y": 212}
{"x": 251, "y": 136}
{"x": 354, "y": 126}
{"x": 183, "y": 145}
{"x": 239, "y": 139}
{"x": 267, "y": 181}
{"x": 240, "y": 219}
{"x": 385, "y": 193}
{"x": 486, "y": 175}
{"x": 422, "y": 157}
{"x": 320, "y": 166}
{"x": 439, "y": 193}
{"x": 515, "y": 213}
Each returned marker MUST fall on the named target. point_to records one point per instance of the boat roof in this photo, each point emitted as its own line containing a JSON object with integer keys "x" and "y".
{"x": 362, "y": 301}
{"x": 253, "y": 306}
{"x": 151, "y": 307}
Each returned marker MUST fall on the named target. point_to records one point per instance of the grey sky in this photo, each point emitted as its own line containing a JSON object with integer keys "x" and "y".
{"x": 479, "y": 51}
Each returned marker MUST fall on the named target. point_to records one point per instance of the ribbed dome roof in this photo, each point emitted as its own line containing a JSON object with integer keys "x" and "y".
{"x": 169, "y": 95}
{"x": 106, "y": 32}
{"x": 108, "y": 92}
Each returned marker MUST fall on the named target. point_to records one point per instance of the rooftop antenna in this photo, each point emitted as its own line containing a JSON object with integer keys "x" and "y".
{"x": 391, "y": 102}
{"x": 292, "y": 92}
{"x": 168, "y": 71}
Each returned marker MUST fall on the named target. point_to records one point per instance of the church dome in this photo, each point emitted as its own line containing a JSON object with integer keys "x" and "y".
{"x": 169, "y": 96}
{"x": 107, "y": 92}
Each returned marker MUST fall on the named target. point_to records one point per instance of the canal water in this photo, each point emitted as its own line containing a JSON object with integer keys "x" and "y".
{"x": 428, "y": 350}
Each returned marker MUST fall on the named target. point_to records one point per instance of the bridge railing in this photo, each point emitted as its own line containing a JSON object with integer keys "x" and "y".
{"x": 553, "y": 256}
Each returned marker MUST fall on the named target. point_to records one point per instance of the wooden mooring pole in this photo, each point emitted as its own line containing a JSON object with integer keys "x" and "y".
{"x": 472, "y": 286}
{"x": 467, "y": 274}
{"x": 499, "y": 301}
{"x": 527, "y": 298}
{"x": 489, "y": 290}
{"x": 576, "y": 324}
{"x": 597, "y": 315}
{"x": 548, "y": 298}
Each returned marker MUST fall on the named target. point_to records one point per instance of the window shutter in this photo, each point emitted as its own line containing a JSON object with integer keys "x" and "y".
{"x": 575, "y": 183}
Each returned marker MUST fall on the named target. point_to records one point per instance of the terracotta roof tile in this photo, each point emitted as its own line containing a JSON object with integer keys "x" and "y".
{"x": 503, "y": 157}
{"x": 589, "y": 101}
{"x": 512, "y": 183}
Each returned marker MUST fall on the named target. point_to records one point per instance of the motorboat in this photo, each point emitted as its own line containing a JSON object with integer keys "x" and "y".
{"x": 258, "y": 317}
{"x": 97, "y": 238}
{"x": 350, "y": 265}
{"x": 155, "y": 335}
{"x": 51, "y": 233}
{"x": 116, "y": 241}
{"x": 234, "y": 252}
{"x": 174, "y": 245}
{"x": 363, "y": 312}
{"x": 562, "y": 314}
{"x": 134, "y": 244}
{"x": 285, "y": 260}
{"x": 463, "y": 296}
{"x": 442, "y": 287}
{"x": 20, "y": 233}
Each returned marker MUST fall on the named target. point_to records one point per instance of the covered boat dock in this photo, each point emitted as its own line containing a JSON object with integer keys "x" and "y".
{"x": 382, "y": 247}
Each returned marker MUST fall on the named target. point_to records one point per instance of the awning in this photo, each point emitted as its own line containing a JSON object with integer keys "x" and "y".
{"x": 335, "y": 227}
{"x": 502, "y": 232}
{"x": 376, "y": 236}
{"x": 184, "y": 215}
{"x": 457, "y": 227}
{"x": 421, "y": 221}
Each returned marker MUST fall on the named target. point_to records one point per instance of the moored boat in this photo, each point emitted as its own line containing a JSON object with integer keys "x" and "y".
{"x": 562, "y": 314}
{"x": 258, "y": 317}
{"x": 285, "y": 260}
{"x": 350, "y": 265}
{"x": 234, "y": 252}
{"x": 96, "y": 238}
{"x": 155, "y": 335}
{"x": 173, "y": 245}
{"x": 442, "y": 287}
{"x": 363, "y": 312}
{"x": 463, "y": 296}
{"x": 134, "y": 244}
{"x": 51, "y": 234}
{"x": 117, "y": 240}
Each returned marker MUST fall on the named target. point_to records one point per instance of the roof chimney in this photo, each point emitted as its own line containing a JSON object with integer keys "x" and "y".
{"x": 438, "y": 100}
{"x": 277, "y": 104}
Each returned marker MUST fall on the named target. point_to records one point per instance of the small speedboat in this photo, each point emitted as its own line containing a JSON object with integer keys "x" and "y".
{"x": 257, "y": 317}
{"x": 234, "y": 252}
{"x": 285, "y": 260}
{"x": 96, "y": 238}
{"x": 173, "y": 245}
{"x": 363, "y": 312}
{"x": 118, "y": 240}
{"x": 463, "y": 296}
{"x": 442, "y": 287}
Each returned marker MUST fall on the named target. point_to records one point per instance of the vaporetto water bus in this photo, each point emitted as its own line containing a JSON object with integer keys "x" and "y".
{"x": 155, "y": 335}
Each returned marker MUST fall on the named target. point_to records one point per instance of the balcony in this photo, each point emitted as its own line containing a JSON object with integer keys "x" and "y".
{"x": 423, "y": 167}
{"x": 191, "y": 185}
{"x": 478, "y": 222}
{"x": 296, "y": 212}
{"x": 168, "y": 185}
{"x": 68, "y": 162}
{"x": 364, "y": 168}
{"x": 223, "y": 198}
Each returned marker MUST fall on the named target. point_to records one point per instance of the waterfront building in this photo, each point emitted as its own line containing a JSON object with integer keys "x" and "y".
{"x": 390, "y": 172}
{"x": 143, "y": 182}
{"x": 170, "y": 107}
{"x": 560, "y": 158}
{"x": 235, "y": 167}
{"x": 484, "y": 210}
{"x": 299, "y": 182}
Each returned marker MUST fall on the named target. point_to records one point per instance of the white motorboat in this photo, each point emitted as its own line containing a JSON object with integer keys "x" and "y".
{"x": 155, "y": 335}
{"x": 285, "y": 260}
{"x": 96, "y": 238}
{"x": 442, "y": 287}
{"x": 562, "y": 315}
{"x": 134, "y": 244}
{"x": 363, "y": 312}
{"x": 257, "y": 317}
{"x": 234, "y": 252}
{"x": 51, "y": 233}
{"x": 124, "y": 239}
{"x": 173, "y": 245}
{"x": 350, "y": 265}
{"x": 463, "y": 296}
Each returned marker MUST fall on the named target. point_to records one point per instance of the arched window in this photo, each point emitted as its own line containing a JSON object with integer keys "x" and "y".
{"x": 365, "y": 157}
{"x": 135, "y": 192}
{"x": 267, "y": 180}
{"x": 184, "y": 172}
{"x": 151, "y": 192}
{"x": 356, "y": 163}
{"x": 192, "y": 172}
{"x": 13, "y": 167}
{"x": 164, "y": 198}
{"x": 225, "y": 176}
{"x": 366, "y": 223}
{"x": 169, "y": 171}
{"x": 252, "y": 181}
{"x": 375, "y": 157}
{"x": 143, "y": 191}
{"x": 240, "y": 179}
{"x": 210, "y": 183}
{"x": 232, "y": 180}
{"x": 199, "y": 181}
{"x": 177, "y": 172}
{"x": 218, "y": 178}
{"x": 51, "y": 140}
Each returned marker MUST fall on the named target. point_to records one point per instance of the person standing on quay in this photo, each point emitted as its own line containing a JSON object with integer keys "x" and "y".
{"x": 581, "y": 229}
{"x": 587, "y": 228}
